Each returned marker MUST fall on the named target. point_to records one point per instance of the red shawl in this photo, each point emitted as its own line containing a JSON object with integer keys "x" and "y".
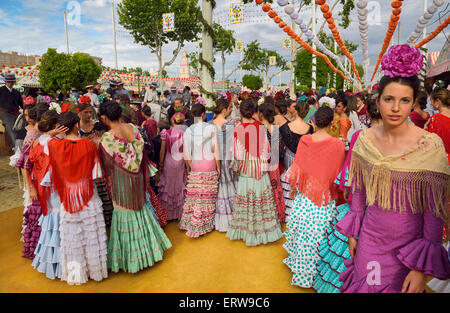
{"x": 72, "y": 164}
{"x": 315, "y": 168}
{"x": 251, "y": 148}
{"x": 41, "y": 163}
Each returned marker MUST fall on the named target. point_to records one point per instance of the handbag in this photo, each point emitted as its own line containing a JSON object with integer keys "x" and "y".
{"x": 20, "y": 123}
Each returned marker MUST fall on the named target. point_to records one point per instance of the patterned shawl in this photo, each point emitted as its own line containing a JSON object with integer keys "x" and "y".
{"x": 419, "y": 176}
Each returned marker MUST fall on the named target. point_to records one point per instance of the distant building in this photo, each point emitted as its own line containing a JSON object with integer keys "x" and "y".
{"x": 184, "y": 66}
{"x": 13, "y": 58}
{"x": 97, "y": 60}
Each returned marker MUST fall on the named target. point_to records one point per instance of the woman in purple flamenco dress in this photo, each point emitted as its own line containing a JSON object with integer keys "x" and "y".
{"x": 401, "y": 182}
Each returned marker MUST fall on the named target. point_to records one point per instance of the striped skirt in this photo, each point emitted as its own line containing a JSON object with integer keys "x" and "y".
{"x": 200, "y": 204}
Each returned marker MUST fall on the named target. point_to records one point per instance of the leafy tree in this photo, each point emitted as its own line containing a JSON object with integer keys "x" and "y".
{"x": 252, "y": 81}
{"x": 143, "y": 18}
{"x": 224, "y": 44}
{"x": 87, "y": 71}
{"x": 257, "y": 59}
{"x": 56, "y": 70}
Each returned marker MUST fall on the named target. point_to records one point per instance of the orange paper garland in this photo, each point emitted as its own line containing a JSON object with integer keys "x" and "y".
{"x": 328, "y": 15}
{"x": 396, "y": 10}
{"x": 277, "y": 19}
{"x": 434, "y": 33}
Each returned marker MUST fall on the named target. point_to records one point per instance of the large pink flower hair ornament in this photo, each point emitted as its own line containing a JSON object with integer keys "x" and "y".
{"x": 201, "y": 100}
{"x": 402, "y": 61}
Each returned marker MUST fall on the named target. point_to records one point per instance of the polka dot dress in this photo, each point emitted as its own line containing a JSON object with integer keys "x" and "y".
{"x": 305, "y": 229}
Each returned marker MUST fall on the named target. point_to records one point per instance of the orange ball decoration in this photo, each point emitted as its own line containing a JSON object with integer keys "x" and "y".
{"x": 395, "y": 18}
{"x": 282, "y": 24}
{"x": 277, "y": 19}
{"x": 320, "y": 2}
{"x": 330, "y": 20}
{"x": 397, "y": 11}
{"x": 286, "y": 28}
{"x": 325, "y": 8}
{"x": 396, "y": 4}
{"x": 266, "y": 7}
{"x": 272, "y": 13}
{"x": 327, "y": 15}
{"x": 259, "y": 1}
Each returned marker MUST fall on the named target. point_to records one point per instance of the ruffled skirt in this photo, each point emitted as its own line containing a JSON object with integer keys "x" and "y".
{"x": 200, "y": 204}
{"x": 333, "y": 250}
{"x": 172, "y": 188}
{"x": 83, "y": 244}
{"x": 47, "y": 258}
{"x": 106, "y": 200}
{"x": 32, "y": 230}
{"x": 255, "y": 219}
{"x": 305, "y": 229}
{"x": 136, "y": 240}
{"x": 225, "y": 197}
{"x": 278, "y": 194}
{"x": 289, "y": 157}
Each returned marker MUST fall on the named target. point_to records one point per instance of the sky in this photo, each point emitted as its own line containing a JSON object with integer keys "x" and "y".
{"x": 33, "y": 26}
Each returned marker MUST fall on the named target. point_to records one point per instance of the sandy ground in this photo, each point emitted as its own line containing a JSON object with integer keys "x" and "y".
{"x": 10, "y": 191}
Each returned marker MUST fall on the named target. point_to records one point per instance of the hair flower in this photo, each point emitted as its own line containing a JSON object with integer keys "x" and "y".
{"x": 402, "y": 61}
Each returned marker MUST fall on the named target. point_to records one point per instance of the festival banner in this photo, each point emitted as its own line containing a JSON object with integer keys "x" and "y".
{"x": 239, "y": 47}
{"x": 237, "y": 12}
{"x": 286, "y": 45}
{"x": 272, "y": 60}
{"x": 168, "y": 22}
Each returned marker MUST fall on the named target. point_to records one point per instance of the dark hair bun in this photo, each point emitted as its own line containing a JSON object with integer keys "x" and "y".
{"x": 221, "y": 104}
{"x": 268, "y": 111}
{"x": 111, "y": 110}
{"x": 247, "y": 108}
{"x": 323, "y": 117}
{"x": 48, "y": 121}
{"x": 69, "y": 120}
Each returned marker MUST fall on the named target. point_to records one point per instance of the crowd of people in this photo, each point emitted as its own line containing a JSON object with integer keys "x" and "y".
{"x": 361, "y": 180}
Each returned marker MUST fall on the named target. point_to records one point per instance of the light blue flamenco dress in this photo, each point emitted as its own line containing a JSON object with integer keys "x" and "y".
{"x": 333, "y": 250}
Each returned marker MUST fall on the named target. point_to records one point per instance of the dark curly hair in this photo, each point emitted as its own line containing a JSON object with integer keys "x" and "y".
{"x": 323, "y": 117}
{"x": 111, "y": 110}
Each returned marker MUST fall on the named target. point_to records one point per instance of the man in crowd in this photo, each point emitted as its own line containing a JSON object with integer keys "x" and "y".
{"x": 90, "y": 93}
{"x": 171, "y": 97}
{"x": 112, "y": 88}
{"x": 122, "y": 91}
{"x": 97, "y": 88}
{"x": 152, "y": 100}
{"x": 10, "y": 102}
{"x": 59, "y": 96}
{"x": 187, "y": 96}
{"x": 235, "y": 115}
{"x": 179, "y": 106}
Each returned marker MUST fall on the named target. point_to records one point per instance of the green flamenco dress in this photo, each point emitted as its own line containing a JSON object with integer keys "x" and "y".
{"x": 136, "y": 240}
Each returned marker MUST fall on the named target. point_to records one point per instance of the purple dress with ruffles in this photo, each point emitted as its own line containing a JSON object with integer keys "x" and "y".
{"x": 390, "y": 244}
{"x": 32, "y": 230}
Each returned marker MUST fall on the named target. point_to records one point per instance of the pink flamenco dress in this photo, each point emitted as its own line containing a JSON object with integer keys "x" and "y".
{"x": 397, "y": 215}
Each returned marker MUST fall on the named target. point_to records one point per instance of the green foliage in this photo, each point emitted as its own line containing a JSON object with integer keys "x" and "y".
{"x": 252, "y": 81}
{"x": 143, "y": 18}
{"x": 67, "y": 71}
{"x": 225, "y": 40}
{"x": 87, "y": 71}
{"x": 56, "y": 70}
